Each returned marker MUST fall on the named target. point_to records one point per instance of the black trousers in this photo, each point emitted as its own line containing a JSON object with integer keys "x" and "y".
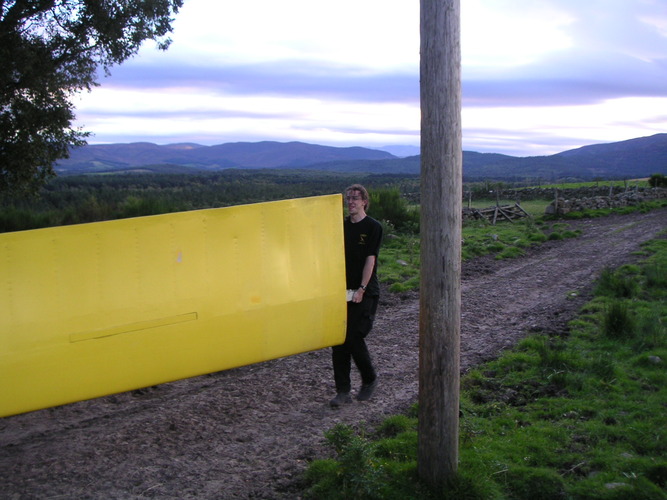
{"x": 360, "y": 319}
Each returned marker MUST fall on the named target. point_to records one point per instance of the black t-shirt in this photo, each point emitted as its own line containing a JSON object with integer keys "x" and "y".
{"x": 362, "y": 239}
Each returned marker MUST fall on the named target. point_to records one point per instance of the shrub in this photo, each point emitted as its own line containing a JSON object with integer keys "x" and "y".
{"x": 402, "y": 448}
{"x": 14, "y": 219}
{"x": 495, "y": 246}
{"x": 388, "y": 205}
{"x": 651, "y": 328}
{"x": 537, "y": 237}
{"x": 657, "y": 180}
{"x": 356, "y": 473}
{"x": 656, "y": 275}
{"x": 618, "y": 322}
{"x": 614, "y": 284}
{"x": 394, "y": 425}
{"x": 510, "y": 253}
{"x": 571, "y": 234}
{"x": 134, "y": 206}
{"x": 553, "y": 354}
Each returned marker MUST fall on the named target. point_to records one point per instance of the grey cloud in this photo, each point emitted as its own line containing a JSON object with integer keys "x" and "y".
{"x": 291, "y": 78}
{"x": 519, "y": 143}
{"x": 168, "y": 113}
{"x": 572, "y": 78}
{"x": 350, "y": 129}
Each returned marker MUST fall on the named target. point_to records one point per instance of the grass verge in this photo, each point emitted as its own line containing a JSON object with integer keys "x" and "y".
{"x": 577, "y": 417}
{"x": 399, "y": 258}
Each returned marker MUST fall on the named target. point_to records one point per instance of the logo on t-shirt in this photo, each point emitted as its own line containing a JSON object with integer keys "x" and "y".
{"x": 362, "y": 239}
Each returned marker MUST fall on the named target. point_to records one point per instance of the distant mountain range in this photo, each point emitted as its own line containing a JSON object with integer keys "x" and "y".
{"x": 633, "y": 158}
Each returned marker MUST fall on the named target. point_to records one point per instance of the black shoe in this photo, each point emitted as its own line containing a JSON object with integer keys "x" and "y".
{"x": 366, "y": 390}
{"x": 340, "y": 399}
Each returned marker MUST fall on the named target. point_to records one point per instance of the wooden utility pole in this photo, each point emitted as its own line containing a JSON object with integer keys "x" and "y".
{"x": 441, "y": 208}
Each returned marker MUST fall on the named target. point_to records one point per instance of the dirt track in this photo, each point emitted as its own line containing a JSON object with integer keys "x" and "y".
{"x": 249, "y": 432}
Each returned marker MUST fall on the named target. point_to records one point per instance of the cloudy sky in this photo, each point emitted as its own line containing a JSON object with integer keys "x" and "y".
{"x": 538, "y": 77}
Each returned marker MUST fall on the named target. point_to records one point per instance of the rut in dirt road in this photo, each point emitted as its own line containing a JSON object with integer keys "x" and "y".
{"x": 249, "y": 432}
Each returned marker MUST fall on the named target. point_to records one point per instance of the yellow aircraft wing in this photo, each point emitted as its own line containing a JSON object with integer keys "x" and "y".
{"x": 101, "y": 308}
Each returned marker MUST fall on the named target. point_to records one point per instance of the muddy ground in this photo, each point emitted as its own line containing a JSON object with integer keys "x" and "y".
{"x": 250, "y": 432}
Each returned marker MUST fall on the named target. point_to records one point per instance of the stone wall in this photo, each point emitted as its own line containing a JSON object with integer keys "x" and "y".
{"x": 572, "y": 201}
{"x": 550, "y": 193}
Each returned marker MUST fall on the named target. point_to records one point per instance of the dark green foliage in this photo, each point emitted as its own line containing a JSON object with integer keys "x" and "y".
{"x": 323, "y": 475}
{"x": 389, "y": 206}
{"x": 592, "y": 213}
{"x": 467, "y": 486}
{"x": 533, "y": 482}
{"x": 510, "y": 253}
{"x": 552, "y": 354}
{"x": 396, "y": 424}
{"x": 48, "y": 52}
{"x": 657, "y": 180}
{"x": 656, "y": 275}
{"x": 617, "y": 321}
{"x": 630, "y": 488}
{"x": 364, "y": 469}
{"x": 15, "y": 219}
{"x": 79, "y": 199}
{"x": 137, "y": 207}
{"x": 401, "y": 448}
{"x": 339, "y": 437}
{"x": 616, "y": 284}
{"x": 571, "y": 234}
{"x": 657, "y": 474}
{"x": 537, "y": 237}
{"x": 603, "y": 367}
{"x": 357, "y": 474}
{"x": 655, "y": 271}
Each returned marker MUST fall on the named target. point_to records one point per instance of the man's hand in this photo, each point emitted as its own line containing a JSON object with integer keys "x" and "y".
{"x": 358, "y": 295}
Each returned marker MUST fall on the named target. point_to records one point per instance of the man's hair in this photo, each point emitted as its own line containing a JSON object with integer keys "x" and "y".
{"x": 364, "y": 194}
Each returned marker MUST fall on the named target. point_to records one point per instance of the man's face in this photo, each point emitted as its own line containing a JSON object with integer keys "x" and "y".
{"x": 354, "y": 201}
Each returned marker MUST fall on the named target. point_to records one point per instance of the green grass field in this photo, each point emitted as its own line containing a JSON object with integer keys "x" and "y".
{"x": 399, "y": 257}
{"x": 577, "y": 417}
{"x": 642, "y": 183}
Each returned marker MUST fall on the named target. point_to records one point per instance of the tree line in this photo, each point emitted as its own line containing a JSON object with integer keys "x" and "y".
{"x": 77, "y": 199}
{"x": 92, "y": 198}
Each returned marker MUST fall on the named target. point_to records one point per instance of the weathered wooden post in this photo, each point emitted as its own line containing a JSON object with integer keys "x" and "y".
{"x": 441, "y": 200}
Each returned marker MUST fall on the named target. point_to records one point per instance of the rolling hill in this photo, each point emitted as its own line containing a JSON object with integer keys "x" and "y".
{"x": 194, "y": 157}
{"x": 633, "y": 158}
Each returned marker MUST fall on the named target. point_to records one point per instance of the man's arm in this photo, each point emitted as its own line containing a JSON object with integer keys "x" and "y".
{"x": 366, "y": 274}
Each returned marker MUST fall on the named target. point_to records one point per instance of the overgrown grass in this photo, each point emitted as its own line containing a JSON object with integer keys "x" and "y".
{"x": 534, "y": 207}
{"x": 642, "y": 183}
{"x": 399, "y": 258}
{"x": 399, "y": 261}
{"x": 576, "y": 417}
{"x": 603, "y": 212}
